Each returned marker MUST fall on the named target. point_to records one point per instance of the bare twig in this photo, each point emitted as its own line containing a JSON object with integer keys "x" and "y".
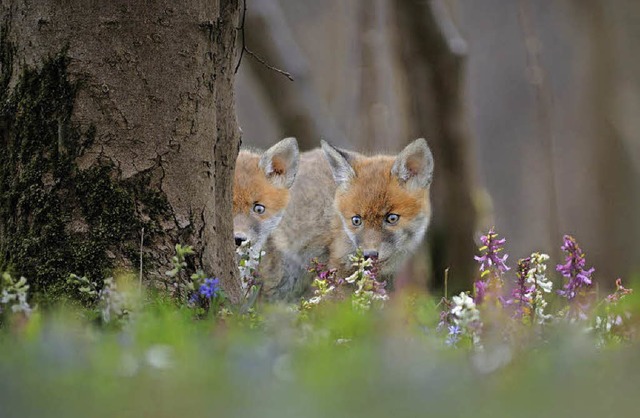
{"x": 141, "y": 247}
{"x": 446, "y": 283}
{"x": 266, "y": 64}
{"x": 297, "y": 107}
{"x": 253, "y": 54}
{"x": 241, "y": 29}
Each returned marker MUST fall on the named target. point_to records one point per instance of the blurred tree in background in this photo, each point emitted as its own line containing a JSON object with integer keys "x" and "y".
{"x": 531, "y": 109}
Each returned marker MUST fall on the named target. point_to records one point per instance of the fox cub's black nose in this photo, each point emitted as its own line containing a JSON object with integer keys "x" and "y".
{"x": 240, "y": 238}
{"x": 370, "y": 254}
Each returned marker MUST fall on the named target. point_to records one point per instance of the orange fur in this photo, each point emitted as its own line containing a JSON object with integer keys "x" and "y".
{"x": 251, "y": 186}
{"x": 375, "y": 193}
{"x": 331, "y": 187}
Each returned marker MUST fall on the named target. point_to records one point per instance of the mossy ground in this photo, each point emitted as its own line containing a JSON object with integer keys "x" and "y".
{"x": 56, "y": 219}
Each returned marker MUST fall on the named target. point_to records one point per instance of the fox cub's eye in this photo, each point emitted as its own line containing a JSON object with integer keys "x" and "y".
{"x": 258, "y": 208}
{"x": 392, "y": 218}
{"x": 356, "y": 220}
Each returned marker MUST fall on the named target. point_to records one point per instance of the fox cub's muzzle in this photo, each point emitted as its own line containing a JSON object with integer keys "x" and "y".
{"x": 240, "y": 238}
{"x": 373, "y": 254}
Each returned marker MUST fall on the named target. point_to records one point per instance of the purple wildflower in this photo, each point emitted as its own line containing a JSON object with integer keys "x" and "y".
{"x": 521, "y": 293}
{"x": 574, "y": 269}
{"x": 492, "y": 246}
{"x": 481, "y": 290}
{"x": 379, "y": 288}
{"x": 454, "y": 335}
{"x": 324, "y": 273}
{"x": 374, "y": 270}
{"x": 210, "y": 288}
{"x": 492, "y": 267}
{"x": 194, "y": 299}
{"x": 445, "y": 314}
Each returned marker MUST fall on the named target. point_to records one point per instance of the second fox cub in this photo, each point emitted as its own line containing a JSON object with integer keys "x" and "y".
{"x": 342, "y": 201}
{"x": 261, "y": 191}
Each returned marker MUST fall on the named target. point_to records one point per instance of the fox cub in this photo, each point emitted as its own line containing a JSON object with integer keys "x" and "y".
{"x": 261, "y": 191}
{"x": 342, "y": 201}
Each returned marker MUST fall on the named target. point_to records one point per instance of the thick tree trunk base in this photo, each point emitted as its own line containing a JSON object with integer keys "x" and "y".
{"x": 116, "y": 116}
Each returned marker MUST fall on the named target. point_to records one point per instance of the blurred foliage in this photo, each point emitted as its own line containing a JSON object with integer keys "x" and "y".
{"x": 348, "y": 350}
{"x": 339, "y": 361}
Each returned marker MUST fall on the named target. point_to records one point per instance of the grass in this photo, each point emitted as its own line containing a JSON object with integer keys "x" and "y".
{"x": 339, "y": 362}
{"x": 363, "y": 356}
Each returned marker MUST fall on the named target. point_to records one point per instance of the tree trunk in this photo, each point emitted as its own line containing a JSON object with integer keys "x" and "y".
{"x": 433, "y": 57}
{"x": 611, "y": 162}
{"x": 116, "y": 116}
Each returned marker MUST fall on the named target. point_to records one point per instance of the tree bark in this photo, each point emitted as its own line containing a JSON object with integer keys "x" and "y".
{"x": 147, "y": 132}
{"x": 433, "y": 56}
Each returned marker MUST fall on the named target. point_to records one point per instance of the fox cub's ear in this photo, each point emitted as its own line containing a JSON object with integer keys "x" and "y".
{"x": 280, "y": 162}
{"x": 414, "y": 165}
{"x": 340, "y": 163}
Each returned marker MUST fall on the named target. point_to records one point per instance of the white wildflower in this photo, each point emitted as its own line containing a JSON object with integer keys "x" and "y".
{"x": 22, "y": 305}
{"x": 15, "y": 294}
{"x": 604, "y": 323}
{"x": 248, "y": 262}
{"x": 7, "y": 297}
{"x": 536, "y": 277}
{"x": 465, "y": 317}
{"x": 352, "y": 279}
{"x": 362, "y": 266}
{"x": 111, "y": 301}
{"x": 537, "y": 273}
{"x": 315, "y": 300}
{"x": 464, "y": 310}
